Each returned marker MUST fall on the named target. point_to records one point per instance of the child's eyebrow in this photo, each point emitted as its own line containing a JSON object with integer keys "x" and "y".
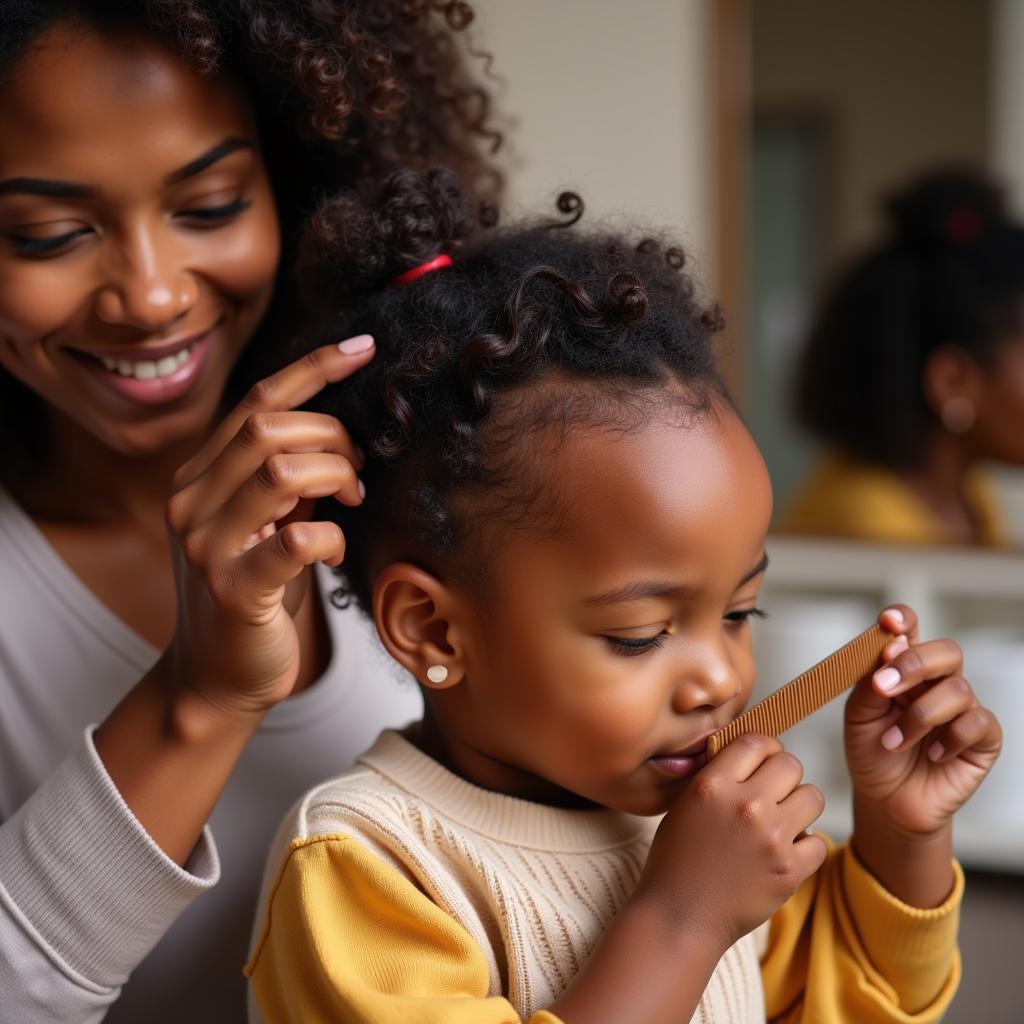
{"x": 640, "y": 590}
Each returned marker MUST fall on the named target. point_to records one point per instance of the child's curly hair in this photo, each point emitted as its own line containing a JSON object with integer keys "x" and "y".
{"x": 343, "y": 91}
{"x": 533, "y": 327}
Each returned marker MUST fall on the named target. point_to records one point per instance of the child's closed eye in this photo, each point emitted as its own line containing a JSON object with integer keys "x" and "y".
{"x": 742, "y": 615}
{"x": 632, "y": 646}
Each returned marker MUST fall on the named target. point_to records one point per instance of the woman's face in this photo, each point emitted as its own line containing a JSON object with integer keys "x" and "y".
{"x": 999, "y": 429}
{"x": 139, "y": 239}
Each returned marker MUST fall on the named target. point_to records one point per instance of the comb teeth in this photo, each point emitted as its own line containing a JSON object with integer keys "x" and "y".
{"x": 793, "y": 702}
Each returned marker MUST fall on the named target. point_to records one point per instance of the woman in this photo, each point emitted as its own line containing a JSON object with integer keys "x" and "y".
{"x": 938, "y": 307}
{"x": 156, "y": 162}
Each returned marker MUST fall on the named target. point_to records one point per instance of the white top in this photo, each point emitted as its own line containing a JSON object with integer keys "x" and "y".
{"x": 84, "y": 892}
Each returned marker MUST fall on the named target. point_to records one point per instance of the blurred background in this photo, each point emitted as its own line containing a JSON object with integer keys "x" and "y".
{"x": 767, "y": 135}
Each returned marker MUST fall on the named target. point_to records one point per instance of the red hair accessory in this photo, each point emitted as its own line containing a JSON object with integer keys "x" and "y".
{"x": 964, "y": 224}
{"x": 444, "y": 260}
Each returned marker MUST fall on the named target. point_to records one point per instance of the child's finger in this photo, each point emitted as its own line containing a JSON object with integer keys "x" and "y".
{"x": 941, "y": 704}
{"x": 918, "y": 664}
{"x": 976, "y": 735}
{"x": 900, "y": 619}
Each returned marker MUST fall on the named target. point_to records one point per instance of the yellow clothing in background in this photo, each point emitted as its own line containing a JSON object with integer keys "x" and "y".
{"x": 846, "y": 498}
{"x": 399, "y": 893}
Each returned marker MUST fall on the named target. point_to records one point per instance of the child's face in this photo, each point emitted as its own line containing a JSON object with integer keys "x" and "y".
{"x": 623, "y": 638}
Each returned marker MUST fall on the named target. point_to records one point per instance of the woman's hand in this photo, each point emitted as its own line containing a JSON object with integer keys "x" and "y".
{"x": 240, "y": 538}
{"x": 733, "y": 847}
{"x": 918, "y": 742}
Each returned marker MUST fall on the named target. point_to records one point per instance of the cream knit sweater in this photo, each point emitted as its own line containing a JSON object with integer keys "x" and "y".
{"x": 534, "y": 886}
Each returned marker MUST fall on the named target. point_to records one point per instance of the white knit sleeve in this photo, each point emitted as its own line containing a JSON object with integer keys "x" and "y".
{"x": 85, "y": 893}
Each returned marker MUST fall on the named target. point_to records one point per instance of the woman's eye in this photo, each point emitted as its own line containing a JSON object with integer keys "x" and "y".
{"x": 631, "y": 646}
{"x": 27, "y": 245}
{"x": 745, "y": 615}
{"x": 215, "y": 214}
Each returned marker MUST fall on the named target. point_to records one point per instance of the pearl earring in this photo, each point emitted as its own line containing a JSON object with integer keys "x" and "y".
{"x": 437, "y": 674}
{"x": 957, "y": 414}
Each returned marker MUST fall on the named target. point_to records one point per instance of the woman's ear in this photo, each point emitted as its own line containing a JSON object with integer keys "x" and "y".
{"x": 950, "y": 373}
{"x": 422, "y": 623}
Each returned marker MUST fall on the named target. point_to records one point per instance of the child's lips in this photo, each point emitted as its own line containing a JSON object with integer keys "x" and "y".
{"x": 681, "y": 763}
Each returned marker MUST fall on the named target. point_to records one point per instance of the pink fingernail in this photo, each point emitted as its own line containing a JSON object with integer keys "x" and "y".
{"x": 935, "y": 751}
{"x": 887, "y": 679}
{"x": 895, "y": 614}
{"x": 892, "y": 738}
{"x": 353, "y": 346}
{"x": 362, "y": 488}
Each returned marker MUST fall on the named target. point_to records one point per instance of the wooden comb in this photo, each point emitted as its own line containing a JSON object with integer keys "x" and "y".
{"x": 796, "y": 700}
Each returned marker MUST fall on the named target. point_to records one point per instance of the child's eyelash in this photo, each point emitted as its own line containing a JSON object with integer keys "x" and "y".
{"x": 632, "y": 646}
{"x": 745, "y": 614}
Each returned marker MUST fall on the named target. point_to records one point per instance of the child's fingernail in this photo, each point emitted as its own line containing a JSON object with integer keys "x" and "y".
{"x": 895, "y": 614}
{"x": 353, "y": 346}
{"x": 362, "y": 488}
{"x": 887, "y": 679}
{"x": 935, "y": 751}
{"x": 892, "y": 738}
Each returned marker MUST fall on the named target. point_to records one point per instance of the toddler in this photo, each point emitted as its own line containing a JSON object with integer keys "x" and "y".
{"x": 562, "y": 540}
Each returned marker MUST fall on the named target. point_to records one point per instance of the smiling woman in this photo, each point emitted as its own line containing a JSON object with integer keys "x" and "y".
{"x": 156, "y": 164}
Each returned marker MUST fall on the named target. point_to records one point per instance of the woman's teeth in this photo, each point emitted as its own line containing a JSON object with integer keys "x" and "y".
{"x": 148, "y": 369}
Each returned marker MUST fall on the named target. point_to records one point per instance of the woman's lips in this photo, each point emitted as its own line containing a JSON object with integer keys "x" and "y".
{"x": 157, "y": 389}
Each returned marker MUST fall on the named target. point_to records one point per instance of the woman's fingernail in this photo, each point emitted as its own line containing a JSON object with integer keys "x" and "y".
{"x": 353, "y": 346}
{"x": 887, "y": 679}
{"x": 892, "y": 738}
{"x": 895, "y": 614}
{"x": 935, "y": 751}
{"x": 362, "y": 488}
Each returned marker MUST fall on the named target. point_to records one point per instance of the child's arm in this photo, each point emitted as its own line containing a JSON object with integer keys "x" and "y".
{"x": 873, "y": 937}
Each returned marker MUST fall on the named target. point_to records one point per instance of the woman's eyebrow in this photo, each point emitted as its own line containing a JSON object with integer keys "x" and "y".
{"x": 73, "y": 190}
{"x": 45, "y": 187}
{"x": 208, "y": 159}
{"x": 756, "y": 571}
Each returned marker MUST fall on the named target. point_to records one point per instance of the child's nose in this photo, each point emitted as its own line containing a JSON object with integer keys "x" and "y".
{"x": 708, "y": 681}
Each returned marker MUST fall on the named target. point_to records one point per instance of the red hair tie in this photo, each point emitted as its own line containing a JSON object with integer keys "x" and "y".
{"x": 444, "y": 260}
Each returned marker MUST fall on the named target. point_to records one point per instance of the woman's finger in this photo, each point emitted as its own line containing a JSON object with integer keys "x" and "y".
{"x": 284, "y": 390}
{"x": 975, "y": 736}
{"x": 261, "y": 436}
{"x": 276, "y": 561}
{"x": 937, "y": 706}
{"x": 272, "y": 492}
{"x": 932, "y": 660}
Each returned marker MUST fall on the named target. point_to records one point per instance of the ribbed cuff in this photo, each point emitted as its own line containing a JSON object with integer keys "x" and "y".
{"x": 86, "y": 876}
{"x": 922, "y": 942}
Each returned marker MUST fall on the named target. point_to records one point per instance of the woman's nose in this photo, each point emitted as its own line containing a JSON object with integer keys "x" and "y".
{"x": 146, "y": 287}
{"x": 708, "y": 680}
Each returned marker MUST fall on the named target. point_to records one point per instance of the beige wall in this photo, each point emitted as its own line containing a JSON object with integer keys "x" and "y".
{"x": 612, "y": 100}
{"x": 906, "y": 83}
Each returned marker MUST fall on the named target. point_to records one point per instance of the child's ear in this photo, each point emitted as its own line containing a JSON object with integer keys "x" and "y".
{"x": 422, "y": 624}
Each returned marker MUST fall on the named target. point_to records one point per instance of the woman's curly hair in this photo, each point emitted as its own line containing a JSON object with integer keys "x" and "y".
{"x": 343, "y": 90}
{"x": 530, "y": 328}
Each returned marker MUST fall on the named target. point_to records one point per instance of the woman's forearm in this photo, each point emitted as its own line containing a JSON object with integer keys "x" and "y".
{"x": 170, "y": 754}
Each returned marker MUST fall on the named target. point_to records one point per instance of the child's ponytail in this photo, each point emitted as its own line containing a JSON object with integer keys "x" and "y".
{"x": 358, "y": 241}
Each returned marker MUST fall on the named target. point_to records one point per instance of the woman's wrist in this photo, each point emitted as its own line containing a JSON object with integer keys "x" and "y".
{"x": 170, "y": 752}
{"x": 917, "y": 868}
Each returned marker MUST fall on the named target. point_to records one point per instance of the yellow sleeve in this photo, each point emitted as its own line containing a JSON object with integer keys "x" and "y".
{"x": 350, "y": 940}
{"x": 845, "y": 949}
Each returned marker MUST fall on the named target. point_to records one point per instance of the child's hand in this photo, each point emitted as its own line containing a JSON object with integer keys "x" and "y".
{"x": 732, "y": 849}
{"x": 918, "y": 743}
